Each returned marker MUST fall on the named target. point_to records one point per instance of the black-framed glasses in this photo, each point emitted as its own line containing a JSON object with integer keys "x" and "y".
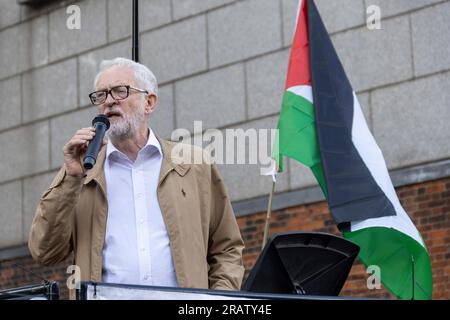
{"x": 118, "y": 93}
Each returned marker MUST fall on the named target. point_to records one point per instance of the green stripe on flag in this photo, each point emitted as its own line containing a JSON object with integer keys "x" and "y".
{"x": 297, "y": 137}
{"x": 394, "y": 252}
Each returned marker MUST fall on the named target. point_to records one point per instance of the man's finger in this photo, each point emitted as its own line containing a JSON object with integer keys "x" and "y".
{"x": 83, "y": 136}
{"x": 75, "y": 143}
{"x": 86, "y": 131}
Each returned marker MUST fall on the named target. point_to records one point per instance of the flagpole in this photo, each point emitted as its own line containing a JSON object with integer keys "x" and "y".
{"x": 135, "y": 31}
{"x": 413, "y": 280}
{"x": 268, "y": 215}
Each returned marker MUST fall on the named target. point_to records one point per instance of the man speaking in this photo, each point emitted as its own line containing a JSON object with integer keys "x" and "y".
{"x": 138, "y": 216}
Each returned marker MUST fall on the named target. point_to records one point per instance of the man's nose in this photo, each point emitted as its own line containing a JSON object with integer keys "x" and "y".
{"x": 110, "y": 101}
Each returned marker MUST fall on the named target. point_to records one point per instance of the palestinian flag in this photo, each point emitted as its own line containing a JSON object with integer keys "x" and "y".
{"x": 322, "y": 126}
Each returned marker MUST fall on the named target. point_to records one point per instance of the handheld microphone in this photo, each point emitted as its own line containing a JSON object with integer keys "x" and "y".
{"x": 101, "y": 124}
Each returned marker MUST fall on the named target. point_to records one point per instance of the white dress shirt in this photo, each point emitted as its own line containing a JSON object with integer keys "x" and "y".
{"x": 137, "y": 249}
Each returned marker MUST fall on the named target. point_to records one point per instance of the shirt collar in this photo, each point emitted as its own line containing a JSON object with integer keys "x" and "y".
{"x": 152, "y": 142}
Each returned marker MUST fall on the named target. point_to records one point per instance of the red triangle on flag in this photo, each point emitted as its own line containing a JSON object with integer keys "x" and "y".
{"x": 299, "y": 69}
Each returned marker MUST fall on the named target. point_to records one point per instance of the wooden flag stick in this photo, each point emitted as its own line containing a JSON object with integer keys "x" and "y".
{"x": 269, "y": 213}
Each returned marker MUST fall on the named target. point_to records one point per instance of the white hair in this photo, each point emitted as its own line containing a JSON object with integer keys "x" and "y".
{"x": 144, "y": 77}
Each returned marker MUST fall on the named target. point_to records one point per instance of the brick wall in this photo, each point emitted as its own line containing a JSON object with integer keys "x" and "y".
{"x": 24, "y": 271}
{"x": 428, "y": 205}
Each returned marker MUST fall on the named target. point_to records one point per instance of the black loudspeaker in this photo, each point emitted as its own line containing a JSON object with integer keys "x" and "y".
{"x": 302, "y": 263}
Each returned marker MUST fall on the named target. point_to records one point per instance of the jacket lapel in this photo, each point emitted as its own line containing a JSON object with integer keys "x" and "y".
{"x": 97, "y": 173}
{"x": 171, "y": 162}
{"x": 99, "y": 215}
{"x": 166, "y": 198}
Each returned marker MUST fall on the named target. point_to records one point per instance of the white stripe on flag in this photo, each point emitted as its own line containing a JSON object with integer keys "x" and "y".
{"x": 303, "y": 91}
{"x": 373, "y": 158}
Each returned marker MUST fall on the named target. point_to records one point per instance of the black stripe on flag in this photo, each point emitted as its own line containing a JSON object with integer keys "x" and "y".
{"x": 353, "y": 194}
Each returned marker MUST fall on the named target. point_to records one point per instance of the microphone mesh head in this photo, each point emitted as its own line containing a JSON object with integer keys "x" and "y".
{"x": 101, "y": 118}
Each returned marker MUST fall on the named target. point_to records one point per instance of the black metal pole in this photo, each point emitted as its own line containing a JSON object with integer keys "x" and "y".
{"x": 135, "y": 31}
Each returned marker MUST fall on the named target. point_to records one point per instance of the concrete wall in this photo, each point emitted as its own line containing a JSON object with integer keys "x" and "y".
{"x": 220, "y": 61}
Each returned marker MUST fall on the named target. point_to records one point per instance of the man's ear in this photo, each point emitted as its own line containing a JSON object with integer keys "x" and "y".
{"x": 152, "y": 102}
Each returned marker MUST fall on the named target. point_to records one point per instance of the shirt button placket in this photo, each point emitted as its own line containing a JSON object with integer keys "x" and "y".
{"x": 141, "y": 212}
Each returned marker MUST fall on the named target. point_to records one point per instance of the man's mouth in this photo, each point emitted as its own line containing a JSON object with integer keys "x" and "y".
{"x": 113, "y": 114}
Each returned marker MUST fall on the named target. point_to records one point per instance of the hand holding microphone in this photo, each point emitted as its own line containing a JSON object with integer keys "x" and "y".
{"x": 101, "y": 124}
{"x": 81, "y": 151}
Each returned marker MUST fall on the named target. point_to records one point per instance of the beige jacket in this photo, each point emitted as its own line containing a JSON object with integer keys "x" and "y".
{"x": 204, "y": 237}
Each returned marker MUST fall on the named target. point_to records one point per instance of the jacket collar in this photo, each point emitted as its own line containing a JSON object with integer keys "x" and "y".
{"x": 168, "y": 164}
